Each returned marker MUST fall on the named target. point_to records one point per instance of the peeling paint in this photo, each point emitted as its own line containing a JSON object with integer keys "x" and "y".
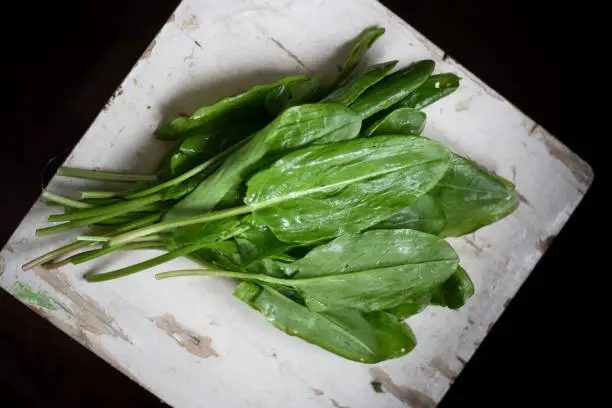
{"x": 147, "y": 52}
{"x": 1, "y": 266}
{"x": 407, "y": 395}
{"x": 191, "y": 22}
{"x": 582, "y": 172}
{"x": 28, "y": 295}
{"x": 440, "y": 366}
{"x": 336, "y": 405}
{"x": 88, "y": 315}
{"x": 193, "y": 342}
{"x": 545, "y": 243}
{"x": 317, "y": 391}
{"x": 462, "y": 106}
{"x": 118, "y": 92}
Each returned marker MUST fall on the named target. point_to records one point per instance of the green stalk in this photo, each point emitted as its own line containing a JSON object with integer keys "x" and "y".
{"x": 129, "y": 270}
{"x": 53, "y": 204}
{"x": 96, "y": 253}
{"x": 169, "y": 225}
{"x": 115, "y": 221}
{"x": 228, "y": 274}
{"x": 104, "y": 238}
{"x": 56, "y": 253}
{"x": 187, "y": 175}
{"x": 119, "y": 273}
{"x": 141, "y": 222}
{"x": 112, "y": 209}
{"x": 105, "y": 176}
{"x": 64, "y": 201}
{"x": 88, "y": 194}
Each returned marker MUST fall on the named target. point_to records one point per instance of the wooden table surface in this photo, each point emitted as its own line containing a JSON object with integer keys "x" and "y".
{"x": 81, "y": 51}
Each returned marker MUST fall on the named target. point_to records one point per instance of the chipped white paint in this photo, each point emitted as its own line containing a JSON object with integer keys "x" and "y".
{"x": 209, "y": 49}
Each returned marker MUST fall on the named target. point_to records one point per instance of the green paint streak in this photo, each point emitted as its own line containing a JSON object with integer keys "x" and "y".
{"x": 41, "y": 298}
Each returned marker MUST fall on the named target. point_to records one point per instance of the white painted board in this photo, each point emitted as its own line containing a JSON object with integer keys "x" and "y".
{"x": 188, "y": 340}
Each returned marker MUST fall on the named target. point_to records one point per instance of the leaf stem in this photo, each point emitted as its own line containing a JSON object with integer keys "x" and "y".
{"x": 119, "y": 273}
{"x": 105, "y": 176}
{"x": 105, "y": 238}
{"x": 112, "y": 209}
{"x": 172, "y": 224}
{"x": 187, "y": 175}
{"x": 64, "y": 201}
{"x": 85, "y": 194}
{"x": 129, "y": 270}
{"x": 96, "y": 253}
{"x": 56, "y": 253}
{"x": 226, "y": 274}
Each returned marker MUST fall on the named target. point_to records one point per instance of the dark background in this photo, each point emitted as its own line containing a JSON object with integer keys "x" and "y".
{"x": 66, "y": 59}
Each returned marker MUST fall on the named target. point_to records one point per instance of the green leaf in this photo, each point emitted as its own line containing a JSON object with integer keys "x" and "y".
{"x": 433, "y": 89}
{"x": 209, "y": 115}
{"x": 363, "y": 337}
{"x": 455, "y": 292}
{"x": 471, "y": 198}
{"x": 402, "y": 121}
{"x": 370, "y": 250}
{"x": 258, "y": 243}
{"x": 425, "y": 215}
{"x": 410, "y": 308}
{"x": 358, "y": 83}
{"x": 297, "y": 126}
{"x": 204, "y": 142}
{"x": 229, "y": 260}
{"x": 360, "y": 47}
{"x": 292, "y": 94}
{"x": 200, "y": 233}
{"x": 340, "y": 187}
{"x": 374, "y": 270}
{"x": 392, "y": 89}
{"x": 267, "y": 266}
{"x": 345, "y": 187}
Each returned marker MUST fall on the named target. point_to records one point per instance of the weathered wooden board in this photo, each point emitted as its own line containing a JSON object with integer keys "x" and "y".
{"x": 188, "y": 340}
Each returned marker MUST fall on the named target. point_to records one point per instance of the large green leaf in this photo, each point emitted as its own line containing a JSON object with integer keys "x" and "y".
{"x": 363, "y": 337}
{"x": 377, "y": 266}
{"x": 226, "y": 107}
{"x": 295, "y": 127}
{"x": 425, "y": 215}
{"x": 345, "y": 187}
{"x": 374, "y": 270}
{"x": 471, "y": 198}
